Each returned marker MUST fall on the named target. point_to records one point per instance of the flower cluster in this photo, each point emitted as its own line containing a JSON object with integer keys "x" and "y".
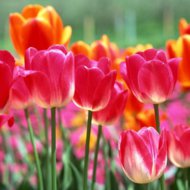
{"x": 53, "y": 89}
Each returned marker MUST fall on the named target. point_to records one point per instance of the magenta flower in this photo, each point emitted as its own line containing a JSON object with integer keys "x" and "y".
{"x": 50, "y": 76}
{"x": 93, "y": 83}
{"x": 115, "y": 107}
{"x": 150, "y": 76}
{"x": 178, "y": 146}
{"x": 143, "y": 154}
{"x": 7, "y": 64}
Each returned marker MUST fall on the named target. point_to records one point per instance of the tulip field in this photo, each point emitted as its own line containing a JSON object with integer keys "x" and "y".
{"x": 92, "y": 116}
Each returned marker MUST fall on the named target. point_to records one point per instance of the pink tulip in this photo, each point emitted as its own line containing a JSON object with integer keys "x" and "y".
{"x": 50, "y": 76}
{"x": 7, "y": 64}
{"x": 93, "y": 83}
{"x": 178, "y": 146}
{"x": 115, "y": 107}
{"x": 20, "y": 96}
{"x": 150, "y": 76}
{"x": 143, "y": 154}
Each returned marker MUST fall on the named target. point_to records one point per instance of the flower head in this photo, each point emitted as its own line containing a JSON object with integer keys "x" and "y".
{"x": 143, "y": 154}
{"x": 150, "y": 76}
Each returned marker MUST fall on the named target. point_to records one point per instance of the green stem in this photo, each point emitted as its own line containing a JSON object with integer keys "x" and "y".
{"x": 107, "y": 169}
{"x": 36, "y": 156}
{"x": 96, "y": 156}
{"x": 48, "y": 161}
{"x": 186, "y": 179}
{"x": 85, "y": 176}
{"x": 157, "y": 118}
{"x": 63, "y": 131}
{"x": 53, "y": 148}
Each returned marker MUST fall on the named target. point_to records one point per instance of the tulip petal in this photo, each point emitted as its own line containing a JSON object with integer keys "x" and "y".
{"x": 102, "y": 94}
{"x": 155, "y": 81}
{"x": 7, "y": 58}
{"x": 98, "y": 50}
{"x": 81, "y": 47}
{"x": 5, "y": 73}
{"x": 161, "y": 55}
{"x": 67, "y": 80}
{"x": 20, "y": 97}
{"x": 148, "y": 54}
{"x": 31, "y": 11}
{"x": 59, "y": 47}
{"x": 50, "y": 15}
{"x": 85, "y": 86}
{"x": 81, "y": 60}
{"x": 16, "y": 22}
{"x": 41, "y": 32}
{"x": 161, "y": 160}
{"x": 135, "y": 158}
{"x": 173, "y": 63}
{"x": 40, "y": 93}
{"x": 151, "y": 139}
{"x": 134, "y": 63}
{"x": 104, "y": 64}
{"x": 66, "y": 35}
{"x": 29, "y": 54}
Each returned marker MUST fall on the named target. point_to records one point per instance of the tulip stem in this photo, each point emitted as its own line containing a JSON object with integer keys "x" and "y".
{"x": 36, "y": 156}
{"x": 96, "y": 156}
{"x": 157, "y": 118}
{"x": 85, "y": 176}
{"x": 48, "y": 161}
{"x": 53, "y": 148}
{"x": 186, "y": 179}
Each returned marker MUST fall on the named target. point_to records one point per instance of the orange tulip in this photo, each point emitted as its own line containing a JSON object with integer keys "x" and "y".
{"x": 181, "y": 48}
{"x": 98, "y": 49}
{"x": 38, "y": 27}
{"x": 134, "y": 49}
{"x": 184, "y": 27}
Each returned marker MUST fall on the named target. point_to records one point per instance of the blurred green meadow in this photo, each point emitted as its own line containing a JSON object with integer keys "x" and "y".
{"x": 126, "y": 22}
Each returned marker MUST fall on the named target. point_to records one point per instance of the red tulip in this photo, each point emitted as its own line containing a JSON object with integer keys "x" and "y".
{"x": 150, "y": 76}
{"x": 93, "y": 83}
{"x": 50, "y": 76}
{"x": 143, "y": 154}
{"x": 115, "y": 107}
{"x": 178, "y": 146}
{"x": 7, "y": 64}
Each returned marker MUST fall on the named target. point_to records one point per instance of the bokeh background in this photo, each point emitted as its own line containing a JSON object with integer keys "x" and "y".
{"x": 126, "y": 22}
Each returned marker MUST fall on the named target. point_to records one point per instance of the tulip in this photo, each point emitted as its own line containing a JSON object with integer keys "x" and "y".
{"x": 38, "y": 27}
{"x": 97, "y": 50}
{"x": 143, "y": 154}
{"x": 50, "y": 76}
{"x": 178, "y": 149}
{"x": 150, "y": 76}
{"x": 184, "y": 27}
{"x": 20, "y": 96}
{"x": 7, "y": 64}
{"x": 93, "y": 83}
{"x": 180, "y": 48}
{"x": 115, "y": 107}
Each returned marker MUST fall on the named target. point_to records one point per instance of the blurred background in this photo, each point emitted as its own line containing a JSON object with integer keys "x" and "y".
{"x": 126, "y": 22}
